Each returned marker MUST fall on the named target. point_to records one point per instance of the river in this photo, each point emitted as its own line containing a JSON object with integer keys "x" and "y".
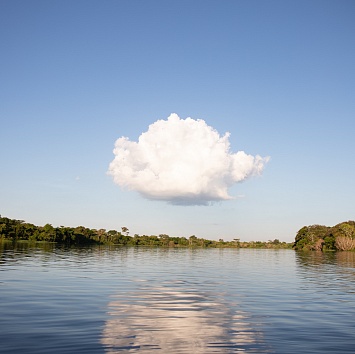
{"x": 166, "y": 300}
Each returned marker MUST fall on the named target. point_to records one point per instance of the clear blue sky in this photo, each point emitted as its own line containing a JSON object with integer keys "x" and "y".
{"x": 278, "y": 75}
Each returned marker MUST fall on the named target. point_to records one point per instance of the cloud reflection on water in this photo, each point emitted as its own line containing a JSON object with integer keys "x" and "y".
{"x": 175, "y": 320}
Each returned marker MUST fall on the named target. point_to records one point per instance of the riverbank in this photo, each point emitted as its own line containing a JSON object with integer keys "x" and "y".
{"x": 19, "y": 230}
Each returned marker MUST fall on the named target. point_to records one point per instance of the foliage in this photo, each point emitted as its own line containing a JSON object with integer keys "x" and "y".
{"x": 319, "y": 237}
{"x": 344, "y": 243}
{"x": 15, "y": 230}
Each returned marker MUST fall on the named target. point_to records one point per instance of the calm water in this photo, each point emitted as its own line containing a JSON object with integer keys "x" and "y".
{"x": 129, "y": 300}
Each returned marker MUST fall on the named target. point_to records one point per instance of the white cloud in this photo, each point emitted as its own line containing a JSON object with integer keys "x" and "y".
{"x": 182, "y": 161}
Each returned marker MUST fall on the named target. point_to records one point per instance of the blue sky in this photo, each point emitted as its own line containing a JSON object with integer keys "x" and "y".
{"x": 278, "y": 75}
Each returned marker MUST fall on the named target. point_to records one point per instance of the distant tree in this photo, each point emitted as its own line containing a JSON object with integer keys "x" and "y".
{"x": 329, "y": 242}
{"x": 47, "y": 233}
{"x": 101, "y": 236}
{"x": 125, "y": 230}
{"x": 308, "y": 236}
{"x": 164, "y": 239}
{"x": 316, "y": 237}
{"x": 192, "y": 240}
{"x": 237, "y": 241}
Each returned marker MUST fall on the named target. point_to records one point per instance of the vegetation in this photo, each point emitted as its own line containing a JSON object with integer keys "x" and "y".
{"x": 15, "y": 230}
{"x": 321, "y": 238}
{"x": 313, "y": 238}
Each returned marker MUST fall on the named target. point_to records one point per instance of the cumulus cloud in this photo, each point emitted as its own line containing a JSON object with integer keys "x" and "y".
{"x": 181, "y": 161}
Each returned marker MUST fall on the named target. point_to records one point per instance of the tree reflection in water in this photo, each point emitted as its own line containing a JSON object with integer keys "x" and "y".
{"x": 175, "y": 320}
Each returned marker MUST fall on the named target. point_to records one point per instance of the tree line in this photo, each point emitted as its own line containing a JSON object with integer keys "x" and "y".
{"x": 17, "y": 230}
{"x": 340, "y": 237}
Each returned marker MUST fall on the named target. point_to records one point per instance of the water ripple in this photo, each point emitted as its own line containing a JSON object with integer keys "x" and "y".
{"x": 178, "y": 319}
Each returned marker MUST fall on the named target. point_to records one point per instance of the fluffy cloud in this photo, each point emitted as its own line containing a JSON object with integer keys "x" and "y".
{"x": 182, "y": 161}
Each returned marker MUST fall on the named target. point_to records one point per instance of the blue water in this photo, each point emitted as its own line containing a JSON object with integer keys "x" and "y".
{"x": 130, "y": 300}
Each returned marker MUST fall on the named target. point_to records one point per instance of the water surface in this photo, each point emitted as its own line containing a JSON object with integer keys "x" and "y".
{"x": 130, "y": 300}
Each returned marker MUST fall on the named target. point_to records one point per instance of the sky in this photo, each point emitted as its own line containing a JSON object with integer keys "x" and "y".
{"x": 220, "y": 119}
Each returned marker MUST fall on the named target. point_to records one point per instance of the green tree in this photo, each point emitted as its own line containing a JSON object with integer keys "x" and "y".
{"x": 125, "y": 230}
{"x": 164, "y": 239}
{"x": 192, "y": 240}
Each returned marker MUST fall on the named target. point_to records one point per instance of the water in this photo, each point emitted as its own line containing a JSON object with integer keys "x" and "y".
{"x": 130, "y": 300}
